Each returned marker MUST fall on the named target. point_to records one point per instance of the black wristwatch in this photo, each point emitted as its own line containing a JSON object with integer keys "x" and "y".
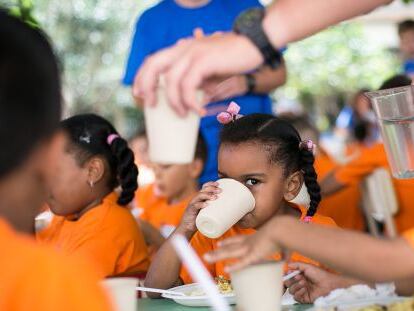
{"x": 249, "y": 24}
{"x": 251, "y": 82}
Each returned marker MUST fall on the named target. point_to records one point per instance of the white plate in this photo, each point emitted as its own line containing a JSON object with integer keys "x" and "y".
{"x": 361, "y": 303}
{"x": 195, "y": 301}
{"x": 202, "y": 301}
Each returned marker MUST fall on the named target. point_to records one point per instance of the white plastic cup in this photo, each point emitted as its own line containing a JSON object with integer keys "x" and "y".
{"x": 259, "y": 287}
{"x": 172, "y": 139}
{"x": 233, "y": 202}
{"x": 122, "y": 293}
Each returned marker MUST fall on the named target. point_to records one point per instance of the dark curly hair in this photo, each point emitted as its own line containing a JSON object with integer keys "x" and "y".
{"x": 281, "y": 140}
{"x": 88, "y": 135}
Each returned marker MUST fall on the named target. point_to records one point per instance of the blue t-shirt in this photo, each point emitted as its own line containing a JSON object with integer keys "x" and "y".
{"x": 408, "y": 67}
{"x": 166, "y": 23}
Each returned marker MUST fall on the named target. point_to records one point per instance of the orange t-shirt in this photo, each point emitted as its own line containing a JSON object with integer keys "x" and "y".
{"x": 107, "y": 235}
{"x": 33, "y": 277}
{"x": 158, "y": 212}
{"x": 202, "y": 245}
{"x": 343, "y": 206}
{"x": 370, "y": 159}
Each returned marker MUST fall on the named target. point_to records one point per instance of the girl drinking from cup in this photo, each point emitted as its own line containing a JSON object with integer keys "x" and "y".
{"x": 265, "y": 154}
{"x": 91, "y": 218}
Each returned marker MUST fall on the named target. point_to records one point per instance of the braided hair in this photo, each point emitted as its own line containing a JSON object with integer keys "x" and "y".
{"x": 88, "y": 134}
{"x": 283, "y": 144}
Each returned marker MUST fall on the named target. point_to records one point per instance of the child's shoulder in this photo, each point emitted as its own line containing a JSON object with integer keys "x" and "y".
{"x": 323, "y": 220}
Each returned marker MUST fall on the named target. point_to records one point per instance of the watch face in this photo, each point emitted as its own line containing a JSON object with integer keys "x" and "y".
{"x": 249, "y": 18}
{"x": 252, "y": 16}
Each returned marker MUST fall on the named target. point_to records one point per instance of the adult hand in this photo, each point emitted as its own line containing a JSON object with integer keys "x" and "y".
{"x": 313, "y": 282}
{"x": 189, "y": 63}
{"x": 248, "y": 249}
{"x": 224, "y": 89}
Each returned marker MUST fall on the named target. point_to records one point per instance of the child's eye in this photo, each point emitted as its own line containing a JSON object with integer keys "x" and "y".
{"x": 252, "y": 182}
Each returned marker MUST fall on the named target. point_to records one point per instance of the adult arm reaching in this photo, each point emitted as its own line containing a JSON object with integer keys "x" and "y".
{"x": 191, "y": 62}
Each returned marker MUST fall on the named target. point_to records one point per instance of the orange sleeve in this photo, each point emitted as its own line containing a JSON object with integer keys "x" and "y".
{"x": 324, "y": 221}
{"x": 409, "y": 237}
{"x": 201, "y": 245}
{"x": 354, "y": 171}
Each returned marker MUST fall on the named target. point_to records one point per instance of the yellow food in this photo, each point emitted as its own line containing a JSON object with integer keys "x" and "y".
{"x": 223, "y": 285}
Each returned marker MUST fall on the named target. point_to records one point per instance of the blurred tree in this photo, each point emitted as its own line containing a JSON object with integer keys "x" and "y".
{"x": 326, "y": 67}
{"x": 92, "y": 40}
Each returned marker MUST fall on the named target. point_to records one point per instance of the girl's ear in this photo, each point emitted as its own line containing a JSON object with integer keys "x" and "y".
{"x": 196, "y": 168}
{"x": 293, "y": 184}
{"x": 96, "y": 170}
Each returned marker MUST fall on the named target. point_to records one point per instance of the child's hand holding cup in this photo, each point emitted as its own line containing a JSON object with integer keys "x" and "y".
{"x": 209, "y": 192}
{"x": 219, "y": 214}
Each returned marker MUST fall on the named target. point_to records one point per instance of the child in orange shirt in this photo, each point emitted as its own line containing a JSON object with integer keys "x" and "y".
{"x": 92, "y": 221}
{"x": 32, "y": 277}
{"x": 343, "y": 206}
{"x": 369, "y": 159}
{"x": 267, "y": 155}
{"x": 162, "y": 204}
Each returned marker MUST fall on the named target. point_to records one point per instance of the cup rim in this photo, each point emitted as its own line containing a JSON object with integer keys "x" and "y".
{"x": 388, "y": 92}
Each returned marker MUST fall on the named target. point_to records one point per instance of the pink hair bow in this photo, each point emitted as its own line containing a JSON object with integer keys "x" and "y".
{"x": 308, "y": 145}
{"x": 231, "y": 114}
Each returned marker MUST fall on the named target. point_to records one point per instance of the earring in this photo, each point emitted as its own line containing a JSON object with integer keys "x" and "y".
{"x": 91, "y": 183}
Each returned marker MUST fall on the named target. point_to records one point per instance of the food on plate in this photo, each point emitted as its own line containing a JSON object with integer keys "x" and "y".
{"x": 223, "y": 285}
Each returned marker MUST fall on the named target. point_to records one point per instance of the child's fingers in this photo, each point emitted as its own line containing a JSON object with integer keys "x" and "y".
{"x": 295, "y": 287}
{"x": 293, "y": 280}
{"x": 199, "y": 205}
{"x": 210, "y": 183}
{"x": 205, "y": 196}
{"x": 300, "y": 295}
{"x": 211, "y": 189}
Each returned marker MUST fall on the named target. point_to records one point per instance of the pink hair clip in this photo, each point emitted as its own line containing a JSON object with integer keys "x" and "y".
{"x": 111, "y": 138}
{"x": 307, "y": 219}
{"x": 308, "y": 145}
{"x": 231, "y": 114}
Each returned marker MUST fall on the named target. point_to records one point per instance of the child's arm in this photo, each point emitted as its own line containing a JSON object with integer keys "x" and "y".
{"x": 164, "y": 271}
{"x": 355, "y": 254}
{"x": 151, "y": 235}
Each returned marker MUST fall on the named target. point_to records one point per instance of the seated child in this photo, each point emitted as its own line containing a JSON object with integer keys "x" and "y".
{"x": 267, "y": 155}
{"x": 92, "y": 220}
{"x": 343, "y": 206}
{"x": 139, "y": 145}
{"x": 161, "y": 205}
{"x": 369, "y": 159}
{"x": 33, "y": 277}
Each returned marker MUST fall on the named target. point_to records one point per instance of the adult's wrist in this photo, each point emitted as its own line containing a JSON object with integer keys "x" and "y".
{"x": 276, "y": 35}
{"x": 250, "y": 25}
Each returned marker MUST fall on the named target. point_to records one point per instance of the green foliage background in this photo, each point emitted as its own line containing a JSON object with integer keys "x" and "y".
{"x": 92, "y": 40}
